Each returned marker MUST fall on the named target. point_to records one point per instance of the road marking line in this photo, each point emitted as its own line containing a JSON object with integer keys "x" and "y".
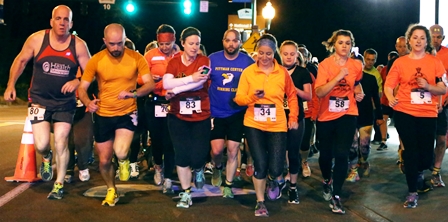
{"x": 14, "y": 193}
{"x": 10, "y": 123}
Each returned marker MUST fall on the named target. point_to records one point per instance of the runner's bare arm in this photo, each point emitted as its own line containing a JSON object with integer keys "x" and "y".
{"x": 83, "y": 56}
{"x": 17, "y": 67}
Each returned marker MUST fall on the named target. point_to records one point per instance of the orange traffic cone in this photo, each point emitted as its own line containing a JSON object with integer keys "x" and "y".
{"x": 26, "y": 162}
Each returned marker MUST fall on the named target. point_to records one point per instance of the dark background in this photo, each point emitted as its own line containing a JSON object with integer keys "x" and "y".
{"x": 374, "y": 23}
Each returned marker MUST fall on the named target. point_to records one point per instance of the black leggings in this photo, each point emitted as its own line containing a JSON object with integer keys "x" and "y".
{"x": 335, "y": 139}
{"x": 268, "y": 150}
{"x": 161, "y": 144}
{"x": 417, "y": 135}
{"x": 191, "y": 141}
{"x": 294, "y": 142}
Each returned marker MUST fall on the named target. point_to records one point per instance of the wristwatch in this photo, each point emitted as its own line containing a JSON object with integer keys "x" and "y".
{"x": 134, "y": 93}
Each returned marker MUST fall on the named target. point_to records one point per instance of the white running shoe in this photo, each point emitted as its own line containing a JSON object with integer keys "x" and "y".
{"x": 84, "y": 175}
{"x": 134, "y": 170}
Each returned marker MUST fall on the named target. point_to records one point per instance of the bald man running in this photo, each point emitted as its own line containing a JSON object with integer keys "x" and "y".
{"x": 115, "y": 111}
{"x": 57, "y": 54}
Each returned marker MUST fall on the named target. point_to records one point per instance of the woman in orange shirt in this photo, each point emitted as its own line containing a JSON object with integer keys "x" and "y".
{"x": 336, "y": 83}
{"x": 261, "y": 88}
{"x": 422, "y": 78}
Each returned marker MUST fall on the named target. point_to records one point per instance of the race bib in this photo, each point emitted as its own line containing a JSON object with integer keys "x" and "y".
{"x": 285, "y": 103}
{"x": 338, "y": 104}
{"x": 36, "y": 112}
{"x": 305, "y": 106}
{"x": 420, "y": 96}
{"x": 263, "y": 111}
{"x": 79, "y": 103}
{"x": 188, "y": 105}
{"x": 161, "y": 110}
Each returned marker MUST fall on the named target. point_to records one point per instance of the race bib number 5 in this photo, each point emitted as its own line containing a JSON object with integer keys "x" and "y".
{"x": 263, "y": 111}
{"x": 420, "y": 96}
{"x": 36, "y": 112}
{"x": 338, "y": 104}
{"x": 188, "y": 105}
{"x": 161, "y": 110}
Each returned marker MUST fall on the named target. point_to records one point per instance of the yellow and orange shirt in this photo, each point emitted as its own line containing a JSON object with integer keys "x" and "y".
{"x": 267, "y": 113}
{"x": 115, "y": 75}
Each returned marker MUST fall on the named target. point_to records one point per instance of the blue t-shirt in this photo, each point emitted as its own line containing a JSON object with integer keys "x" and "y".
{"x": 225, "y": 75}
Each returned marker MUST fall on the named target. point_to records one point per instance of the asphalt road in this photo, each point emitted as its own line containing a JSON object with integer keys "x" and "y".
{"x": 375, "y": 198}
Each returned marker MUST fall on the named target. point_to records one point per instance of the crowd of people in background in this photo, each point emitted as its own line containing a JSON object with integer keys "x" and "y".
{"x": 191, "y": 113}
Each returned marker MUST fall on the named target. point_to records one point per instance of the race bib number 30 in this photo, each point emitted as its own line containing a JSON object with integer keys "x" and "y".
{"x": 420, "y": 96}
{"x": 338, "y": 104}
{"x": 263, "y": 111}
{"x": 188, "y": 105}
{"x": 36, "y": 112}
{"x": 161, "y": 110}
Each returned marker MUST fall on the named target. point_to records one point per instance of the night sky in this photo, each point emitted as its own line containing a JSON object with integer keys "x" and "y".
{"x": 374, "y": 23}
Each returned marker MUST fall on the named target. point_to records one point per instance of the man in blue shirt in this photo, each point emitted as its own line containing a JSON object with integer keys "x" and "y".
{"x": 227, "y": 117}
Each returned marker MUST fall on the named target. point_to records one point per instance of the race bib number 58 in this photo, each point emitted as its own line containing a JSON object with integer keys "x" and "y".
{"x": 338, "y": 104}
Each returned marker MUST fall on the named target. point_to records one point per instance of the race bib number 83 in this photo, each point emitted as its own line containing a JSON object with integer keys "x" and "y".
{"x": 188, "y": 105}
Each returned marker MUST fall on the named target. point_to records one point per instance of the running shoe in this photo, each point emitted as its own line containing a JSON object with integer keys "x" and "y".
{"x": 199, "y": 178}
{"x": 217, "y": 177}
{"x": 185, "y": 200}
{"x": 353, "y": 176}
{"x": 273, "y": 190}
{"x": 84, "y": 175}
{"x": 328, "y": 190}
{"x": 158, "y": 174}
{"x": 46, "y": 172}
{"x": 167, "y": 186}
{"x": 134, "y": 170}
{"x": 57, "y": 193}
{"x": 366, "y": 167}
{"x": 111, "y": 198}
{"x": 237, "y": 176}
{"x": 227, "y": 192}
{"x": 437, "y": 181}
{"x": 208, "y": 168}
{"x": 125, "y": 169}
{"x": 261, "y": 210}
{"x": 293, "y": 196}
{"x": 422, "y": 187}
{"x": 336, "y": 205}
{"x": 250, "y": 170}
{"x": 382, "y": 146}
{"x": 306, "y": 171}
{"x": 411, "y": 201}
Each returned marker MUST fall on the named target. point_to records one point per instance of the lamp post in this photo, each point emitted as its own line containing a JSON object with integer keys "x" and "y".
{"x": 268, "y": 14}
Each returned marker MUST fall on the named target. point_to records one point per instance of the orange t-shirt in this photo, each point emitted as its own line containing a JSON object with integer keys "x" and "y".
{"x": 157, "y": 62}
{"x": 340, "y": 100}
{"x": 275, "y": 85}
{"x": 442, "y": 54}
{"x": 310, "y": 104}
{"x": 189, "y": 99}
{"x": 115, "y": 75}
{"x": 413, "y": 100}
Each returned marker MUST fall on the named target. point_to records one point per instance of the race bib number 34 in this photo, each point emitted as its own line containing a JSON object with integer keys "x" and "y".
{"x": 36, "y": 112}
{"x": 188, "y": 105}
{"x": 263, "y": 111}
{"x": 420, "y": 96}
{"x": 338, "y": 104}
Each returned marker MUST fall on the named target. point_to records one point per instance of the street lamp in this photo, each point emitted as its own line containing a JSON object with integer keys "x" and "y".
{"x": 268, "y": 14}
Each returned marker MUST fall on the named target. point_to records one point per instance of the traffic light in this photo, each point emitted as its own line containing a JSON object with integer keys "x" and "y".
{"x": 130, "y": 7}
{"x": 187, "y": 7}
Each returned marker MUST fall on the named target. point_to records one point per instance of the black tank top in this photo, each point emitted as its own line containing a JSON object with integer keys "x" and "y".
{"x": 52, "y": 69}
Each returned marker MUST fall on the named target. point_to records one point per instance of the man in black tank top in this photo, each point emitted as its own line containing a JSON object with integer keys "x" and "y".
{"x": 52, "y": 102}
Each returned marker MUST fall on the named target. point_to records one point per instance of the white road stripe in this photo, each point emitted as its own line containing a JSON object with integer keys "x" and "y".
{"x": 11, "y": 123}
{"x": 14, "y": 193}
